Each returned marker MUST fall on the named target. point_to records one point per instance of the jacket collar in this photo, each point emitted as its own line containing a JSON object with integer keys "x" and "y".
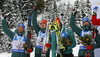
{"x": 43, "y": 29}
{"x": 22, "y": 33}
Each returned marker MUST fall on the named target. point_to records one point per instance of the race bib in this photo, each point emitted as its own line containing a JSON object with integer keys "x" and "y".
{"x": 40, "y": 40}
{"x": 83, "y": 48}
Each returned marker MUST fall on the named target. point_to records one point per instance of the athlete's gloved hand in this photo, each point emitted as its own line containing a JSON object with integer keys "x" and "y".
{"x": 35, "y": 8}
{"x": 95, "y": 9}
{"x": 48, "y": 45}
{"x": 74, "y": 12}
{"x": 89, "y": 47}
{"x": 30, "y": 50}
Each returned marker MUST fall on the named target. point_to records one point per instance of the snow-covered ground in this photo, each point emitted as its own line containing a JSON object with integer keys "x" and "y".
{"x": 5, "y": 54}
{"x": 75, "y": 50}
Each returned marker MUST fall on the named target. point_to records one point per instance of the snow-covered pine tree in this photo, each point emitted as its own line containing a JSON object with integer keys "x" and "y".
{"x": 1, "y": 28}
{"x": 54, "y": 11}
{"x": 1, "y": 3}
{"x": 64, "y": 11}
{"x": 67, "y": 15}
{"x": 50, "y": 10}
{"x": 5, "y": 44}
{"x": 17, "y": 11}
{"x": 87, "y": 9}
{"x": 77, "y": 6}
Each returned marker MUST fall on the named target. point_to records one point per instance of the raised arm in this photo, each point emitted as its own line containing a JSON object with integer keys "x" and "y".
{"x": 9, "y": 33}
{"x": 75, "y": 28}
{"x": 34, "y": 20}
{"x": 95, "y": 21}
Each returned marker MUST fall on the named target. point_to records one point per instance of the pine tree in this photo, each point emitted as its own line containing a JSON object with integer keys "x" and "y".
{"x": 1, "y": 28}
{"x": 17, "y": 11}
{"x": 88, "y": 9}
{"x": 50, "y": 10}
{"x": 1, "y": 3}
{"x": 67, "y": 15}
{"x": 5, "y": 44}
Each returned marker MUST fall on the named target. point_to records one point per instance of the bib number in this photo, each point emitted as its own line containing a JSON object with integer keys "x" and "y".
{"x": 83, "y": 48}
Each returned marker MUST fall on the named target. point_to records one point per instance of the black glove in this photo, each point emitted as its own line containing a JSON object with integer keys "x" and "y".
{"x": 94, "y": 14}
{"x": 74, "y": 12}
{"x": 62, "y": 14}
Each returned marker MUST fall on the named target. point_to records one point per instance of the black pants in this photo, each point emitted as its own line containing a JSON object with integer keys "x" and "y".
{"x": 66, "y": 55}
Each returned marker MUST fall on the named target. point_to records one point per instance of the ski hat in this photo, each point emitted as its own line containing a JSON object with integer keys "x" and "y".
{"x": 57, "y": 18}
{"x": 21, "y": 24}
{"x": 57, "y": 21}
{"x": 85, "y": 19}
{"x": 44, "y": 21}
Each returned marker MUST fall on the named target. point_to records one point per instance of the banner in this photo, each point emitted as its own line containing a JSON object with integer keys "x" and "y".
{"x": 96, "y": 3}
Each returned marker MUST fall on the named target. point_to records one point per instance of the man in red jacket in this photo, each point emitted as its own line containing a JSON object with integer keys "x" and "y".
{"x": 95, "y": 21}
